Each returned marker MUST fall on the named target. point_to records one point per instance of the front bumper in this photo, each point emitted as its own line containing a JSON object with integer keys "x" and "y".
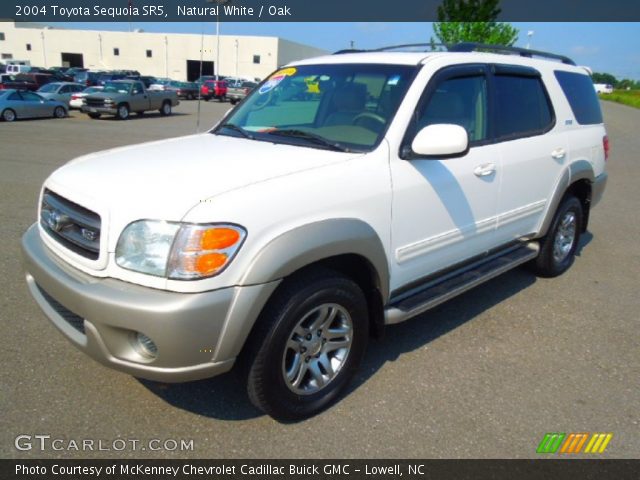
{"x": 101, "y": 315}
{"x": 106, "y": 110}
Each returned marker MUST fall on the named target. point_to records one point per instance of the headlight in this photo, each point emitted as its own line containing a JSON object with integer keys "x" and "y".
{"x": 178, "y": 251}
{"x": 144, "y": 246}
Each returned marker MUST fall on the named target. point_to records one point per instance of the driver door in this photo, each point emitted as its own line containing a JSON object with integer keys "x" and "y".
{"x": 444, "y": 209}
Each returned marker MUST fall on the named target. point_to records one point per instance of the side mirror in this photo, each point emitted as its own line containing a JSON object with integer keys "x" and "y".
{"x": 441, "y": 140}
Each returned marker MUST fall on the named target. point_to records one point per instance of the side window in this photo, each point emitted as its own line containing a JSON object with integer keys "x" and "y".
{"x": 137, "y": 88}
{"x": 522, "y": 107}
{"x": 15, "y": 96}
{"x": 582, "y": 97}
{"x": 65, "y": 89}
{"x": 461, "y": 101}
{"x": 30, "y": 97}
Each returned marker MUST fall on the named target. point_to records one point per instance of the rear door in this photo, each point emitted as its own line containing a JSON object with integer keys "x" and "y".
{"x": 533, "y": 149}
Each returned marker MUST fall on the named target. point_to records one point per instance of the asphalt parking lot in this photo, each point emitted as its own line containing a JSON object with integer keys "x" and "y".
{"x": 483, "y": 376}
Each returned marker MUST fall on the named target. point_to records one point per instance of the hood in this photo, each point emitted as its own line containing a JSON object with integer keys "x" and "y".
{"x": 164, "y": 179}
{"x": 103, "y": 95}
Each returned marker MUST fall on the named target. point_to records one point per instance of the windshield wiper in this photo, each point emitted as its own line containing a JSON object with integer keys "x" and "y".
{"x": 236, "y": 128}
{"x": 293, "y": 133}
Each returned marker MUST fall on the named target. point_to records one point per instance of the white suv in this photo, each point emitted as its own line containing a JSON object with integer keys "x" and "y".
{"x": 346, "y": 193}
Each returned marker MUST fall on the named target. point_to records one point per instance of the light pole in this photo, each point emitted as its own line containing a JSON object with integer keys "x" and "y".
{"x": 236, "y": 58}
{"x": 166, "y": 57}
{"x": 529, "y": 35}
{"x": 44, "y": 50}
{"x": 216, "y": 66}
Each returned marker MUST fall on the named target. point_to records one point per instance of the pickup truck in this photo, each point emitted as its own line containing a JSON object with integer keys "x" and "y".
{"x": 121, "y": 97}
{"x": 238, "y": 91}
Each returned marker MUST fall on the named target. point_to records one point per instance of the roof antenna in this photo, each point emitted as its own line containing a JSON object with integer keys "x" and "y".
{"x": 200, "y": 79}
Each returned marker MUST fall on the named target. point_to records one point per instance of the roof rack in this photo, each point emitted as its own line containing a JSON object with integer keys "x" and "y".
{"x": 523, "y": 52}
{"x": 468, "y": 47}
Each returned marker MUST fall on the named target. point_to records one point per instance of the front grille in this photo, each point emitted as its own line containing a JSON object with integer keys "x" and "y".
{"x": 71, "y": 318}
{"x": 75, "y": 227}
{"x": 94, "y": 102}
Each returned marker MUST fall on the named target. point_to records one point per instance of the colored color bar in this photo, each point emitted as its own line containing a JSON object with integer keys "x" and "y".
{"x": 591, "y": 442}
{"x": 606, "y": 441}
{"x": 557, "y": 442}
{"x": 583, "y": 438}
{"x": 568, "y": 442}
{"x": 542, "y": 448}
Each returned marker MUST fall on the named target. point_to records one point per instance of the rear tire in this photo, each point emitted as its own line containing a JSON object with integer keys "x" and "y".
{"x": 558, "y": 247}
{"x": 307, "y": 345}
{"x": 9, "y": 115}
{"x": 59, "y": 112}
{"x": 165, "y": 110}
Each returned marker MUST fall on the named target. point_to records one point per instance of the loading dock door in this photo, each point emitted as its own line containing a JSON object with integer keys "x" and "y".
{"x": 193, "y": 69}
{"x": 72, "y": 60}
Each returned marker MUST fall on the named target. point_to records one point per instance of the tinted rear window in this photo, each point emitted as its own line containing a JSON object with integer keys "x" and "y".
{"x": 522, "y": 107}
{"x": 582, "y": 97}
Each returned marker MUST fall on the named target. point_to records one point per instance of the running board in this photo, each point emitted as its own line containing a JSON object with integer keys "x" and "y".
{"x": 442, "y": 289}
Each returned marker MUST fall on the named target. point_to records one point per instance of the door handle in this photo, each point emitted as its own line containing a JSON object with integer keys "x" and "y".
{"x": 558, "y": 153}
{"x": 485, "y": 170}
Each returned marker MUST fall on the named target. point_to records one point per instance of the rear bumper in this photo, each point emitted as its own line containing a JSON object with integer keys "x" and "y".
{"x": 101, "y": 318}
{"x": 597, "y": 188}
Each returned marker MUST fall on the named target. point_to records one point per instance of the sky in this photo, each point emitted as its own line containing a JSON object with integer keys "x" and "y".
{"x": 604, "y": 47}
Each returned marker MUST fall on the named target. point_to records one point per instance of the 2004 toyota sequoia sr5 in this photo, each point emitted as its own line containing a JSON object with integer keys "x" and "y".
{"x": 346, "y": 193}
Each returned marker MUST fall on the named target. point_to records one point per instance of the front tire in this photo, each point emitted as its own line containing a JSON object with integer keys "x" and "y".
{"x": 9, "y": 115}
{"x": 123, "y": 112}
{"x": 307, "y": 345}
{"x": 558, "y": 247}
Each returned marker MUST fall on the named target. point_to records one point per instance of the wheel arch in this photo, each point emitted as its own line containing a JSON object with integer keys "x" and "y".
{"x": 577, "y": 179}
{"x": 348, "y": 246}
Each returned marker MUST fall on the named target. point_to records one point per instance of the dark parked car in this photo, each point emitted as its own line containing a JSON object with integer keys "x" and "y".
{"x": 214, "y": 89}
{"x": 88, "y": 79}
{"x": 110, "y": 77}
{"x": 16, "y": 104}
{"x": 187, "y": 90}
{"x": 28, "y": 81}
{"x": 147, "y": 80}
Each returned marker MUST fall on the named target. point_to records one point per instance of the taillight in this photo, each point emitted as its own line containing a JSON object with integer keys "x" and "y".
{"x": 606, "y": 146}
{"x": 74, "y": 97}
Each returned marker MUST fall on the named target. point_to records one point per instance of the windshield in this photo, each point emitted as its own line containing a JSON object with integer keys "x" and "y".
{"x": 49, "y": 87}
{"x": 338, "y": 106}
{"x": 119, "y": 87}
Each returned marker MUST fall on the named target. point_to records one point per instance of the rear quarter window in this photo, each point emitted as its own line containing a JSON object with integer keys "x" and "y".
{"x": 582, "y": 97}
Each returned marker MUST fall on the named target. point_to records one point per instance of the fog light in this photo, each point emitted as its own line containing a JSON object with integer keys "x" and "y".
{"x": 145, "y": 346}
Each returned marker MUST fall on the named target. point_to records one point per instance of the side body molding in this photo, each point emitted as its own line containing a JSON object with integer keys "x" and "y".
{"x": 316, "y": 241}
{"x": 579, "y": 170}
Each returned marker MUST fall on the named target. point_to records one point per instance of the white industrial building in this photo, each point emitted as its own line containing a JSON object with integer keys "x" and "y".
{"x": 173, "y": 55}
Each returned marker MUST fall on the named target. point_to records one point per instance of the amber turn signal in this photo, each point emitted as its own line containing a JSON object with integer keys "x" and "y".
{"x": 208, "y": 263}
{"x": 218, "y": 238}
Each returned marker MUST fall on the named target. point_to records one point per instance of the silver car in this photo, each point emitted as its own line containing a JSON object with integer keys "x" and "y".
{"x": 60, "y": 91}
{"x": 24, "y": 104}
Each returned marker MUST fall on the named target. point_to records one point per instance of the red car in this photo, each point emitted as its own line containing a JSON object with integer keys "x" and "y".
{"x": 214, "y": 89}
